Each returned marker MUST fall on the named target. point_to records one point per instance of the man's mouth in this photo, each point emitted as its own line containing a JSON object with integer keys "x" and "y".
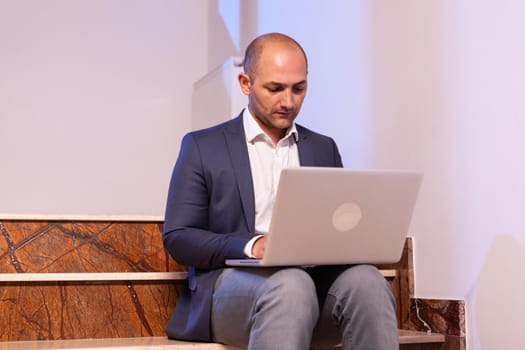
{"x": 284, "y": 113}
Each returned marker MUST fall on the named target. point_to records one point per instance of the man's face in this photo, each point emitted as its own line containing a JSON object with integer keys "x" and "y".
{"x": 277, "y": 89}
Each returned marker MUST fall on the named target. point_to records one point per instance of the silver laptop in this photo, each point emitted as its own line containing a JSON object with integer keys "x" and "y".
{"x": 329, "y": 216}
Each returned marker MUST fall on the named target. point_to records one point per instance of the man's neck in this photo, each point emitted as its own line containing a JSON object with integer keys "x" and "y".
{"x": 274, "y": 134}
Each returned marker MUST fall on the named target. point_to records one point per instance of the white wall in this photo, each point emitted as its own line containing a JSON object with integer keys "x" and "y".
{"x": 490, "y": 110}
{"x": 94, "y": 98}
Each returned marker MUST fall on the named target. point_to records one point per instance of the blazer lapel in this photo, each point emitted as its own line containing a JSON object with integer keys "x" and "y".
{"x": 306, "y": 155}
{"x": 236, "y": 141}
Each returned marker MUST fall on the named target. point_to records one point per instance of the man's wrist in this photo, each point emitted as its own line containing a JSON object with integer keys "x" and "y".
{"x": 248, "y": 248}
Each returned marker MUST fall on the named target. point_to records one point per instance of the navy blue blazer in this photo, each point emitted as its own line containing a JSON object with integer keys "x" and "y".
{"x": 210, "y": 212}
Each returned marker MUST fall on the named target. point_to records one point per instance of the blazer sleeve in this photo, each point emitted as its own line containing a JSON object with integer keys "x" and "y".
{"x": 187, "y": 235}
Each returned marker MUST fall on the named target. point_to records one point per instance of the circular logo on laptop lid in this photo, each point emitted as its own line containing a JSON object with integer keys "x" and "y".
{"x": 346, "y": 216}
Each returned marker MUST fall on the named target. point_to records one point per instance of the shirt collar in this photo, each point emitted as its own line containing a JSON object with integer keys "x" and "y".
{"x": 253, "y": 130}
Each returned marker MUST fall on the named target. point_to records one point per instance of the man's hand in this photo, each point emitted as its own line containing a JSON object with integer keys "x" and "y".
{"x": 258, "y": 247}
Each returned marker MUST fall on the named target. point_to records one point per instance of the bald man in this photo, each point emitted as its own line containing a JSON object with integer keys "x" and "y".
{"x": 219, "y": 207}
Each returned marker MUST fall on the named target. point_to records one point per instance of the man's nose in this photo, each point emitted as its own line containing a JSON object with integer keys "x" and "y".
{"x": 287, "y": 99}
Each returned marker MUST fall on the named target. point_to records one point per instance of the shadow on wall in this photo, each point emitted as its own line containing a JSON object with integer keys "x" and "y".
{"x": 499, "y": 303}
{"x": 222, "y": 43}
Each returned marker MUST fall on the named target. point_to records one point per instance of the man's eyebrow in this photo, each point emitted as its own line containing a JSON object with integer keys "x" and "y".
{"x": 301, "y": 82}
{"x": 276, "y": 83}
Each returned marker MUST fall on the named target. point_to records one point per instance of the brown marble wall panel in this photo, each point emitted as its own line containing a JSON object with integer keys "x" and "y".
{"x": 39, "y": 246}
{"x": 61, "y": 310}
{"x": 440, "y": 316}
{"x": 72, "y": 310}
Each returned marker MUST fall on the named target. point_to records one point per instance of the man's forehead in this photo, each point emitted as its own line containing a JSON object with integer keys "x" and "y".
{"x": 282, "y": 70}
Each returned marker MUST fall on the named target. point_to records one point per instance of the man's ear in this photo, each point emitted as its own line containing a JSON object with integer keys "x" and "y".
{"x": 245, "y": 83}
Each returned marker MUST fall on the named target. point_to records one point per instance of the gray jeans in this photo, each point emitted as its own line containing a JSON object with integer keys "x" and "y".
{"x": 292, "y": 308}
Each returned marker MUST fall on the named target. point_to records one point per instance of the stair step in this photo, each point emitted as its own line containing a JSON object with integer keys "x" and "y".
{"x": 156, "y": 343}
{"x": 161, "y": 343}
{"x": 415, "y": 337}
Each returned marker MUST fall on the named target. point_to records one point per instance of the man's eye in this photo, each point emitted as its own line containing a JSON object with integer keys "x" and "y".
{"x": 274, "y": 89}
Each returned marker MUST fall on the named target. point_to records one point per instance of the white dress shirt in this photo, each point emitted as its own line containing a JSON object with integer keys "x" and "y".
{"x": 266, "y": 162}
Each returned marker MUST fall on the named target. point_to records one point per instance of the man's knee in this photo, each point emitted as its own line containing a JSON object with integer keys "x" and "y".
{"x": 292, "y": 289}
{"x": 362, "y": 281}
{"x": 291, "y": 282}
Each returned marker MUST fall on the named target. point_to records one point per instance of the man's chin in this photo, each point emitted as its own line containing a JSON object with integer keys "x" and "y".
{"x": 284, "y": 122}
{"x": 284, "y": 125}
